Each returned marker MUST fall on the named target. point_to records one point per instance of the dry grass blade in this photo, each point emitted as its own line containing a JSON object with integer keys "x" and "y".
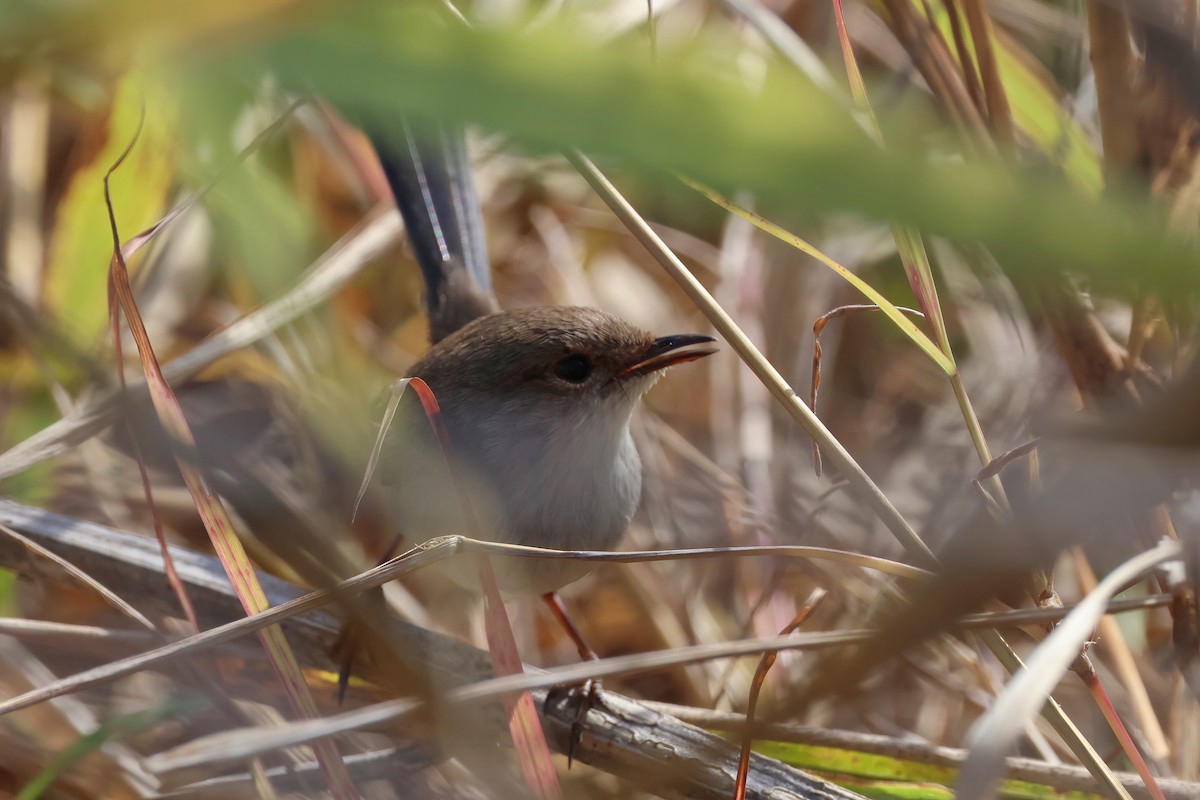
{"x": 1113, "y": 63}
{"x": 894, "y": 313}
{"x": 423, "y": 556}
{"x": 993, "y": 736}
{"x": 234, "y": 745}
{"x": 995, "y": 96}
{"x": 697, "y": 764}
{"x": 760, "y": 675}
{"x": 114, "y": 323}
{"x": 338, "y": 265}
{"x": 134, "y": 558}
{"x": 212, "y": 512}
{"x": 74, "y": 571}
{"x": 762, "y": 368}
{"x": 76, "y": 637}
{"x": 819, "y": 326}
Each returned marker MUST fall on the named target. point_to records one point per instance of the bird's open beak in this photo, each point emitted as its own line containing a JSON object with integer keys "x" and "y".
{"x": 667, "y": 351}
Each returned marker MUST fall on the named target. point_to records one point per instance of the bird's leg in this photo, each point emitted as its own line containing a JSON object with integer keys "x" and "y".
{"x": 347, "y": 641}
{"x": 589, "y": 691}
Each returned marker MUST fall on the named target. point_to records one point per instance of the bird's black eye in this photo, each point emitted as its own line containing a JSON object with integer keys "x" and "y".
{"x": 573, "y": 369}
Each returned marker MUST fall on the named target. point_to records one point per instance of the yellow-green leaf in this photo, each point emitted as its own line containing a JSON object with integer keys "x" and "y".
{"x": 81, "y": 243}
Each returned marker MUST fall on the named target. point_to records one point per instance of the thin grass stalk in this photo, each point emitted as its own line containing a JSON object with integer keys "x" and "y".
{"x": 916, "y": 264}
{"x": 1107, "y": 25}
{"x": 1113, "y": 66}
{"x": 799, "y": 411}
{"x": 966, "y": 62}
{"x": 1112, "y": 59}
{"x": 212, "y": 512}
{"x": 760, "y": 676}
{"x": 995, "y": 96}
{"x": 775, "y": 383}
{"x": 450, "y": 546}
{"x": 893, "y": 312}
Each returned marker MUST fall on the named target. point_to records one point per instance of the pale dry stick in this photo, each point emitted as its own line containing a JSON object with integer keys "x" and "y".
{"x": 1060, "y": 777}
{"x": 857, "y": 477}
{"x": 378, "y": 231}
{"x": 68, "y": 635}
{"x": 399, "y": 766}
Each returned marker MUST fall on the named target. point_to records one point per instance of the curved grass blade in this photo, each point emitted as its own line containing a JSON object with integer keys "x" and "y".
{"x": 212, "y": 512}
{"x": 906, "y": 326}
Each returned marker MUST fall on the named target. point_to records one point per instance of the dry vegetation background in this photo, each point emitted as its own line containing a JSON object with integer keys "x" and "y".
{"x": 1054, "y": 177}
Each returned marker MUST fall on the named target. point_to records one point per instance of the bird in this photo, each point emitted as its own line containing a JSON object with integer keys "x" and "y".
{"x": 536, "y": 402}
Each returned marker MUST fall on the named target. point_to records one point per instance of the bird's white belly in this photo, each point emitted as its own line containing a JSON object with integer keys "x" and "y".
{"x": 583, "y": 505}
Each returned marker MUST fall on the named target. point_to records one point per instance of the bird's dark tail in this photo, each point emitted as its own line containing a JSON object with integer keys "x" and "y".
{"x": 430, "y": 175}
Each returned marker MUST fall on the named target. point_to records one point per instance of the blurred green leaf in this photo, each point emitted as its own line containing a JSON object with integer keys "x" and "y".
{"x": 786, "y": 140}
{"x": 789, "y": 141}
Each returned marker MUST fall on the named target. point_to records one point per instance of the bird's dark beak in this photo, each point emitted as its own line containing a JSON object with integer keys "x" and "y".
{"x": 667, "y": 351}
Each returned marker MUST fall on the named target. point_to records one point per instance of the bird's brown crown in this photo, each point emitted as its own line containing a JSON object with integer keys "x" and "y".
{"x": 561, "y": 349}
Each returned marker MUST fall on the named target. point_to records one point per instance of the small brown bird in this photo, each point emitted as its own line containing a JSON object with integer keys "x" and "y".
{"x": 537, "y": 405}
{"x": 536, "y": 402}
